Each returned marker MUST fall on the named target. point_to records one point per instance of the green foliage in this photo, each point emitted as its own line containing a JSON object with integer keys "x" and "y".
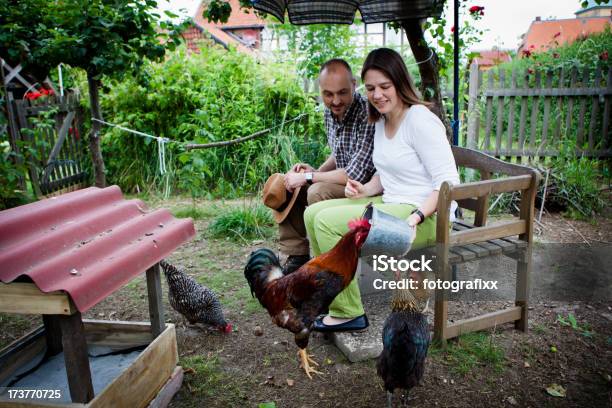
{"x": 101, "y": 36}
{"x": 570, "y": 321}
{"x": 212, "y": 96}
{"x": 577, "y": 181}
{"x": 313, "y": 45}
{"x": 586, "y": 52}
{"x": 243, "y": 224}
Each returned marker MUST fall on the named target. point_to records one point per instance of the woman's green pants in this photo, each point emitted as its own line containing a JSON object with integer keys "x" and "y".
{"x": 327, "y": 221}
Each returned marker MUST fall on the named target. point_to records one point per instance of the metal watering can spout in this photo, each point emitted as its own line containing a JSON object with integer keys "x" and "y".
{"x": 388, "y": 234}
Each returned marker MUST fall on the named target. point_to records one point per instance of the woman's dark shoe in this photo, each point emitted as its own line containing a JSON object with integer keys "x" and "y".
{"x": 294, "y": 262}
{"x": 356, "y": 324}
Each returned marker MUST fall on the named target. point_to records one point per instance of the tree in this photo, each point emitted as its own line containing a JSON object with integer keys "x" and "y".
{"x": 103, "y": 37}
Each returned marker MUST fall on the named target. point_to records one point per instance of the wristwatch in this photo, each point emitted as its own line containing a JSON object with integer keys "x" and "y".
{"x": 308, "y": 177}
{"x": 419, "y": 213}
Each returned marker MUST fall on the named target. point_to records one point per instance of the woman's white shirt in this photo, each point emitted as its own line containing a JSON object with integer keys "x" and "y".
{"x": 416, "y": 160}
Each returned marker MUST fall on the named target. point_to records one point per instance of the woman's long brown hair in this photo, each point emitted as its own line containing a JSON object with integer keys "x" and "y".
{"x": 391, "y": 64}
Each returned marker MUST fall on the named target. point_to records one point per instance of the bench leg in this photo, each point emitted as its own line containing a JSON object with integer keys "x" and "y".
{"x": 440, "y": 322}
{"x": 523, "y": 276}
{"x": 156, "y": 308}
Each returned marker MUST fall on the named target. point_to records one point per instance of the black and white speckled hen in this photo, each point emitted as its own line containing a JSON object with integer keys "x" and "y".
{"x": 405, "y": 342}
{"x": 194, "y": 301}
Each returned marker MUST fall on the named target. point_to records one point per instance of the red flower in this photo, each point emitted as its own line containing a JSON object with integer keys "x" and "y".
{"x": 33, "y": 95}
{"x": 555, "y": 55}
{"x": 532, "y": 46}
{"x": 476, "y": 10}
{"x": 530, "y": 71}
{"x": 526, "y": 53}
{"x": 557, "y": 34}
{"x": 452, "y": 29}
{"x": 603, "y": 56}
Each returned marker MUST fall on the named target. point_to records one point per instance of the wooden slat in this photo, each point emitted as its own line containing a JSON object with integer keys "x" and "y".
{"x": 140, "y": 382}
{"x": 492, "y": 231}
{"x": 605, "y": 129}
{"x": 21, "y": 352}
{"x": 500, "y": 114}
{"x": 558, "y": 118}
{"x": 171, "y": 387}
{"x": 580, "y": 136}
{"x": 554, "y": 152}
{"x": 545, "y": 122}
{"x": 523, "y": 118}
{"x": 511, "y": 101}
{"x": 26, "y": 298}
{"x": 463, "y": 253}
{"x": 117, "y": 334}
{"x": 482, "y": 322}
{"x": 594, "y": 110}
{"x": 468, "y": 204}
{"x": 494, "y": 186}
{"x": 489, "y": 115}
{"x": 535, "y": 110}
{"x": 571, "y": 98}
{"x": 482, "y": 207}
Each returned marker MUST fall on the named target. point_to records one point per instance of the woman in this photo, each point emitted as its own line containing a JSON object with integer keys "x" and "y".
{"x": 412, "y": 158}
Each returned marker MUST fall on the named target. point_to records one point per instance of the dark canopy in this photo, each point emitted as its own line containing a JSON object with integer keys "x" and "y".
{"x": 343, "y": 11}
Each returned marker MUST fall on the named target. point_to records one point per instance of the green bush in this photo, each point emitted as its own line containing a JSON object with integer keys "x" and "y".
{"x": 212, "y": 96}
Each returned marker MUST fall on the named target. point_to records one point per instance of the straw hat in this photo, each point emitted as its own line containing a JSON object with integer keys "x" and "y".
{"x": 276, "y": 197}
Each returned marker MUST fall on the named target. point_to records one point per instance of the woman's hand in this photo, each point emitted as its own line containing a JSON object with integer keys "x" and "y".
{"x": 413, "y": 220}
{"x": 354, "y": 189}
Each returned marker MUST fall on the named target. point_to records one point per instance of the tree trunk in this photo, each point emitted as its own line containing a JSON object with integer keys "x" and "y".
{"x": 94, "y": 136}
{"x": 430, "y": 78}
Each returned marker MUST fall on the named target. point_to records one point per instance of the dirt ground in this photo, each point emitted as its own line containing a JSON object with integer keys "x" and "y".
{"x": 499, "y": 368}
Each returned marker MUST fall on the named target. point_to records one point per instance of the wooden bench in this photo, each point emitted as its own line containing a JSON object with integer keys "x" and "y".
{"x": 470, "y": 242}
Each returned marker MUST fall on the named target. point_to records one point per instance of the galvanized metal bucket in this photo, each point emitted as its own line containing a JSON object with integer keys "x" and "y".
{"x": 388, "y": 234}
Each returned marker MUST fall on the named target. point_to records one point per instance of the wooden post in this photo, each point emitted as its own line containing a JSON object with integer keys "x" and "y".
{"x": 442, "y": 265}
{"x": 523, "y": 266}
{"x": 156, "y": 308}
{"x": 76, "y": 358}
{"x": 473, "y": 114}
{"x": 53, "y": 334}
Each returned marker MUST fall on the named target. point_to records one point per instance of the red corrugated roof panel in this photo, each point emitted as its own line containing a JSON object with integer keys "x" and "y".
{"x": 88, "y": 243}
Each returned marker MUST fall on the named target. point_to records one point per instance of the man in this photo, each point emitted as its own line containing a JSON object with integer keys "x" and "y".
{"x": 350, "y": 138}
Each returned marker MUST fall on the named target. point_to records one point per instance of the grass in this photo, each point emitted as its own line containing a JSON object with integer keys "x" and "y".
{"x": 204, "y": 379}
{"x": 197, "y": 212}
{"x": 243, "y": 224}
{"x": 470, "y": 351}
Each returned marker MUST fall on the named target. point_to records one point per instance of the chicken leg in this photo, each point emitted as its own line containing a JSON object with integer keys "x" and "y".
{"x": 305, "y": 362}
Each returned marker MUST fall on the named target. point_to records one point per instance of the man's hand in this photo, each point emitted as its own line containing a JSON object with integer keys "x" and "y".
{"x": 307, "y": 168}
{"x": 354, "y": 189}
{"x": 294, "y": 180}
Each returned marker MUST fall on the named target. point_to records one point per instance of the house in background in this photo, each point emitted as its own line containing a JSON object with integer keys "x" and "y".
{"x": 488, "y": 59}
{"x": 242, "y": 30}
{"x": 543, "y": 35}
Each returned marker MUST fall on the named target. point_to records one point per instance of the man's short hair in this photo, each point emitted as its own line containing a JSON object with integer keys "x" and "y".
{"x": 334, "y": 62}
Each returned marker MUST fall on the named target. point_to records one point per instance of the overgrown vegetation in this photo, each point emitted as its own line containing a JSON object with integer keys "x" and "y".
{"x": 212, "y": 96}
{"x": 243, "y": 224}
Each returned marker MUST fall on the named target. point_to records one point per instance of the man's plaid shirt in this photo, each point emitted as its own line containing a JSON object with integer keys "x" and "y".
{"x": 352, "y": 140}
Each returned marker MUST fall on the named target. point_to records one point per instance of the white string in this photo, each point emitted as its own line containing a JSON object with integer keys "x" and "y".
{"x": 425, "y": 60}
{"x": 161, "y": 143}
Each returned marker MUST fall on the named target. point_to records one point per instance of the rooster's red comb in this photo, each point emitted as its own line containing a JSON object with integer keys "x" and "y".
{"x": 357, "y": 223}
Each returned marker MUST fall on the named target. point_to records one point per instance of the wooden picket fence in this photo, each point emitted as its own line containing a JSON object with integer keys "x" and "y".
{"x": 530, "y": 115}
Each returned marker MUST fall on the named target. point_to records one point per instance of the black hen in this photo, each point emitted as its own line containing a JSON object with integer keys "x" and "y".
{"x": 194, "y": 301}
{"x": 405, "y": 343}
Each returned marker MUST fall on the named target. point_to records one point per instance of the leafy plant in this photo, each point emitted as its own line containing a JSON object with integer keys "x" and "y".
{"x": 571, "y": 321}
{"x": 243, "y": 224}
